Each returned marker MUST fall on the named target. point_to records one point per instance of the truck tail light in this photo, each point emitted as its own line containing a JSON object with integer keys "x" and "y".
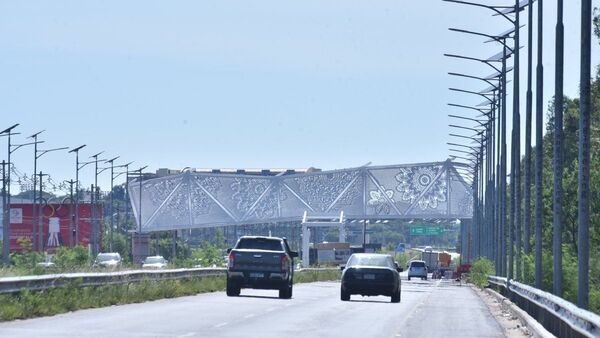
{"x": 231, "y": 260}
{"x": 285, "y": 263}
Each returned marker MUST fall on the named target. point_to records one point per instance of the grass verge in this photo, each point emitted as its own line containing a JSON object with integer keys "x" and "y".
{"x": 26, "y": 304}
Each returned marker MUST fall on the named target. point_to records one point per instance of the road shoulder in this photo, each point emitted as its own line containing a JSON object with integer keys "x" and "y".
{"x": 515, "y": 322}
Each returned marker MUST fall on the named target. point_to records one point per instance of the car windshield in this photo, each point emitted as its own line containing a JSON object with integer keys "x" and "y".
{"x": 417, "y": 264}
{"x": 371, "y": 260}
{"x": 260, "y": 244}
{"x": 154, "y": 260}
{"x": 105, "y": 257}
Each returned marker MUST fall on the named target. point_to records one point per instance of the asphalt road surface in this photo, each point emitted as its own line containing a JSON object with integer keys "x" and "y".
{"x": 430, "y": 308}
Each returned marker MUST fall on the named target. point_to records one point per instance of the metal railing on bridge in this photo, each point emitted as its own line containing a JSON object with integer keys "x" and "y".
{"x": 560, "y": 317}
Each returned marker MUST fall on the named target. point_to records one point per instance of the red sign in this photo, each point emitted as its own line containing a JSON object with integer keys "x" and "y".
{"x": 55, "y": 224}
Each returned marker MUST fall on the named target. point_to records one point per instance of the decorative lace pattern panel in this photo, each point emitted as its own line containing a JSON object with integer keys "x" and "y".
{"x": 379, "y": 202}
{"x": 321, "y": 190}
{"x": 201, "y": 202}
{"x": 425, "y": 185}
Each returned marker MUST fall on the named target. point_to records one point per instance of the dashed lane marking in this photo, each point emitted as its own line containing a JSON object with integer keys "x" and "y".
{"x": 221, "y": 325}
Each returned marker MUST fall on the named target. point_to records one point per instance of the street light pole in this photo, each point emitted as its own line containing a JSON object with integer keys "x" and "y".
{"x": 517, "y": 140}
{"x": 41, "y": 214}
{"x": 140, "y": 178}
{"x": 539, "y": 144}
{"x": 584, "y": 157}
{"x": 76, "y": 151}
{"x": 112, "y": 177}
{"x": 5, "y": 232}
{"x": 94, "y": 208}
{"x": 558, "y": 158}
{"x": 6, "y": 219}
{"x": 38, "y": 221}
{"x": 528, "y": 113}
{"x": 34, "y": 200}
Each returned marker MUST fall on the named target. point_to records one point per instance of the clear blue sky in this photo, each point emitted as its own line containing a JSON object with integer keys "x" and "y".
{"x": 329, "y": 84}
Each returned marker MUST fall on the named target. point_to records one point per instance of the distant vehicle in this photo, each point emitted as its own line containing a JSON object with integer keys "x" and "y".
{"x": 154, "y": 262}
{"x": 259, "y": 262}
{"x": 369, "y": 274}
{"x": 108, "y": 260}
{"x": 445, "y": 259}
{"x": 417, "y": 269}
{"x": 431, "y": 258}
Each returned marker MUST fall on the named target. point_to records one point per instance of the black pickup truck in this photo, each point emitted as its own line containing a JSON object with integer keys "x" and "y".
{"x": 259, "y": 262}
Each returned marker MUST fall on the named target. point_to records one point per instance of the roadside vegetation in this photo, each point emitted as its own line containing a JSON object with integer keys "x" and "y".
{"x": 480, "y": 270}
{"x": 26, "y": 304}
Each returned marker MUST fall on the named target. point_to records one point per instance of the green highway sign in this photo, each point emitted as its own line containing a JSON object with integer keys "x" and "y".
{"x": 423, "y": 231}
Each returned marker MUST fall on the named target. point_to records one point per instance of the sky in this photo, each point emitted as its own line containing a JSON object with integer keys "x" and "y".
{"x": 239, "y": 84}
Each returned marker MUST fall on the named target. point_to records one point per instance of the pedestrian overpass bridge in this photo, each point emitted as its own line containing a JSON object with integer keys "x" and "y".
{"x": 196, "y": 200}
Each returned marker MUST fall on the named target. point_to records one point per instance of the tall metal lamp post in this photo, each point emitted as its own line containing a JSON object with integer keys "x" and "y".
{"x": 113, "y": 176}
{"x": 38, "y": 222}
{"x": 76, "y": 151}
{"x": 6, "y": 219}
{"x": 96, "y": 226}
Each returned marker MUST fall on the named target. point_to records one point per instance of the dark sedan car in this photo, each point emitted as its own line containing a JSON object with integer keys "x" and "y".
{"x": 371, "y": 275}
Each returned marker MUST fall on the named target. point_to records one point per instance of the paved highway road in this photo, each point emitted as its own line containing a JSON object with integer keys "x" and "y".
{"x": 428, "y": 309}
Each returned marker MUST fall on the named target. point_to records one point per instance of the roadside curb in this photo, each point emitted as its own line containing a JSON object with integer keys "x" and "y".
{"x": 538, "y": 330}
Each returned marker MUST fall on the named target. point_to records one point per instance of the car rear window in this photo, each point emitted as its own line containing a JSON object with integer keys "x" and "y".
{"x": 417, "y": 264}
{"x": 371, "y": 260}
{"x": 260, "y": 244}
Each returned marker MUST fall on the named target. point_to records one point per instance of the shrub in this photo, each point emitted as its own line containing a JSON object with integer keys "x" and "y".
{"x": 480, "y": 270}
{"x": 72, "y": 258}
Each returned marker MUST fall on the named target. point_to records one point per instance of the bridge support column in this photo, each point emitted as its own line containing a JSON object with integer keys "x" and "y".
{"x": 466, "y": 228}
{"x": 342, "y": 232}
{"x": 305, "y": 245}
{"x": 141, "y": 247}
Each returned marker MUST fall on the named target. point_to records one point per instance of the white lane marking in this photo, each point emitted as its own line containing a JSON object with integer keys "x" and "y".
{"x": 189, "y": 334}
{"x": 249, "y": 316}
{"x": 221, "y": 325}
{"x": 270, "y": 309}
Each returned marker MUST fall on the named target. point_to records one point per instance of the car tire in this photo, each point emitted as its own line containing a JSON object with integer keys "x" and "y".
{"x": 408, "y": 277}
{"x": 232, "y": 290}
{"x": 425, "y": 278}
{"x": 344, "y": 295}
{"x": 396, "y": 296}
{"x": 286, "y": 292}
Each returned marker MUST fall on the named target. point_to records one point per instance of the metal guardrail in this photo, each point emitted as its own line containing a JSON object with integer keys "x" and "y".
{"x": 42, "y": 282}
{"x": 83, "y": 279}
{"x": 498, "y": 281}
{"x": 561, "y": 317}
